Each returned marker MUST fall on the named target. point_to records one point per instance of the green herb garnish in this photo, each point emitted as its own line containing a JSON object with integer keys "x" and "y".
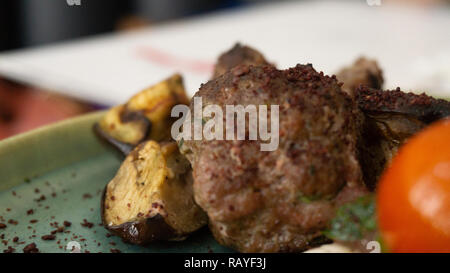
{"x": 180, "y": 144}
{"x": 353, "y": 221}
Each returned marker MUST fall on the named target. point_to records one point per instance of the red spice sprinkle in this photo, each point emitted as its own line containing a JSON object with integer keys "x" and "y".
{"x": 12, "y": 222}
{"x": 87, "y": 224}
{"x": 2, "y": 226}
{"x": 15, "y": 239}
{"x": 67, "y": 223}
{"x": 48, "y": 237}
{"x": 33, "y": 221}
{"x": 37, "y": 191}
{"x": 9, "y": 250}
{"x": 42, "y": 198}
{"x": 29, "y": 212}
{"x": 31, "y": 248}
{"x": 115, "y": 250}
{"x": 87, "y": 196}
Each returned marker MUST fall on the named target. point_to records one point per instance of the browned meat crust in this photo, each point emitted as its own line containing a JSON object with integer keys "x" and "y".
{"x": 278, "y": 201}
{"x": 362, "y": 72}
{"x": 239, "y": 54}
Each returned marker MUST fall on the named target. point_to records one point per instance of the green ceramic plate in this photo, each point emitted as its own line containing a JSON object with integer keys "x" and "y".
{"x": 59, "y": 171}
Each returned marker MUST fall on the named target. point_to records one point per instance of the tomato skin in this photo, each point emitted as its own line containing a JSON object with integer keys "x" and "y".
{"x": 413, "y": 196}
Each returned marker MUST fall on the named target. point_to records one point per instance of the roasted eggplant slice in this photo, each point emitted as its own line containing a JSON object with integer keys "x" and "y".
{"x": 391, "y": 117}
{"x": 145, "y": 116}
{"x": 151, "y": 197}
{"x": 362, "y": 72}
{"x": 421, "y": 107}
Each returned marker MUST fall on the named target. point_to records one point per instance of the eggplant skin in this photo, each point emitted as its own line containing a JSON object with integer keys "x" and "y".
{"x": 140, "y": 232}
{"x": 123, "y": 147}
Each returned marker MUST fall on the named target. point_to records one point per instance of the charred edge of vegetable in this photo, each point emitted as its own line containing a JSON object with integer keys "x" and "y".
{"x": 140, "y": 232}
{"x": 426, "y": 115}
{"x": 371, "y": 155}
{"x": 383, "y": 133}
{"x": 129, "y": 116}
{"x": 122, "y": 147}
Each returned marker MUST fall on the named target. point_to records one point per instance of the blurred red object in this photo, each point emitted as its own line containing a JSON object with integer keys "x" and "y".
{"x": 23, "y": 108}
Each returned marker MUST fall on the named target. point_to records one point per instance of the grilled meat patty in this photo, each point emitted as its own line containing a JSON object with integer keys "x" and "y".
{"x": 278, "y": 201}
{"x": 238, "y": 55}
{"x": 364, "y": 72}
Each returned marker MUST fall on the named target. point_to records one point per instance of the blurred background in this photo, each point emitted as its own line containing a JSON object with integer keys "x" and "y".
{"x": 25, "y": 103}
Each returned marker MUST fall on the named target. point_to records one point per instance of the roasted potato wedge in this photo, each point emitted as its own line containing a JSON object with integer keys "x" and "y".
{"x": 151, "y": 197}
{"x": 145, "y": 116}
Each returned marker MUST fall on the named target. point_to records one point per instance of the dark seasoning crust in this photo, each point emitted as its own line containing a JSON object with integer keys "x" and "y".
{"x": 422, "y": 107}
{"x": 307, "y": 165}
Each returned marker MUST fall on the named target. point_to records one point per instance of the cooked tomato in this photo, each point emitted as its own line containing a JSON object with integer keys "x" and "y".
{"x": 413, "y": 198}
